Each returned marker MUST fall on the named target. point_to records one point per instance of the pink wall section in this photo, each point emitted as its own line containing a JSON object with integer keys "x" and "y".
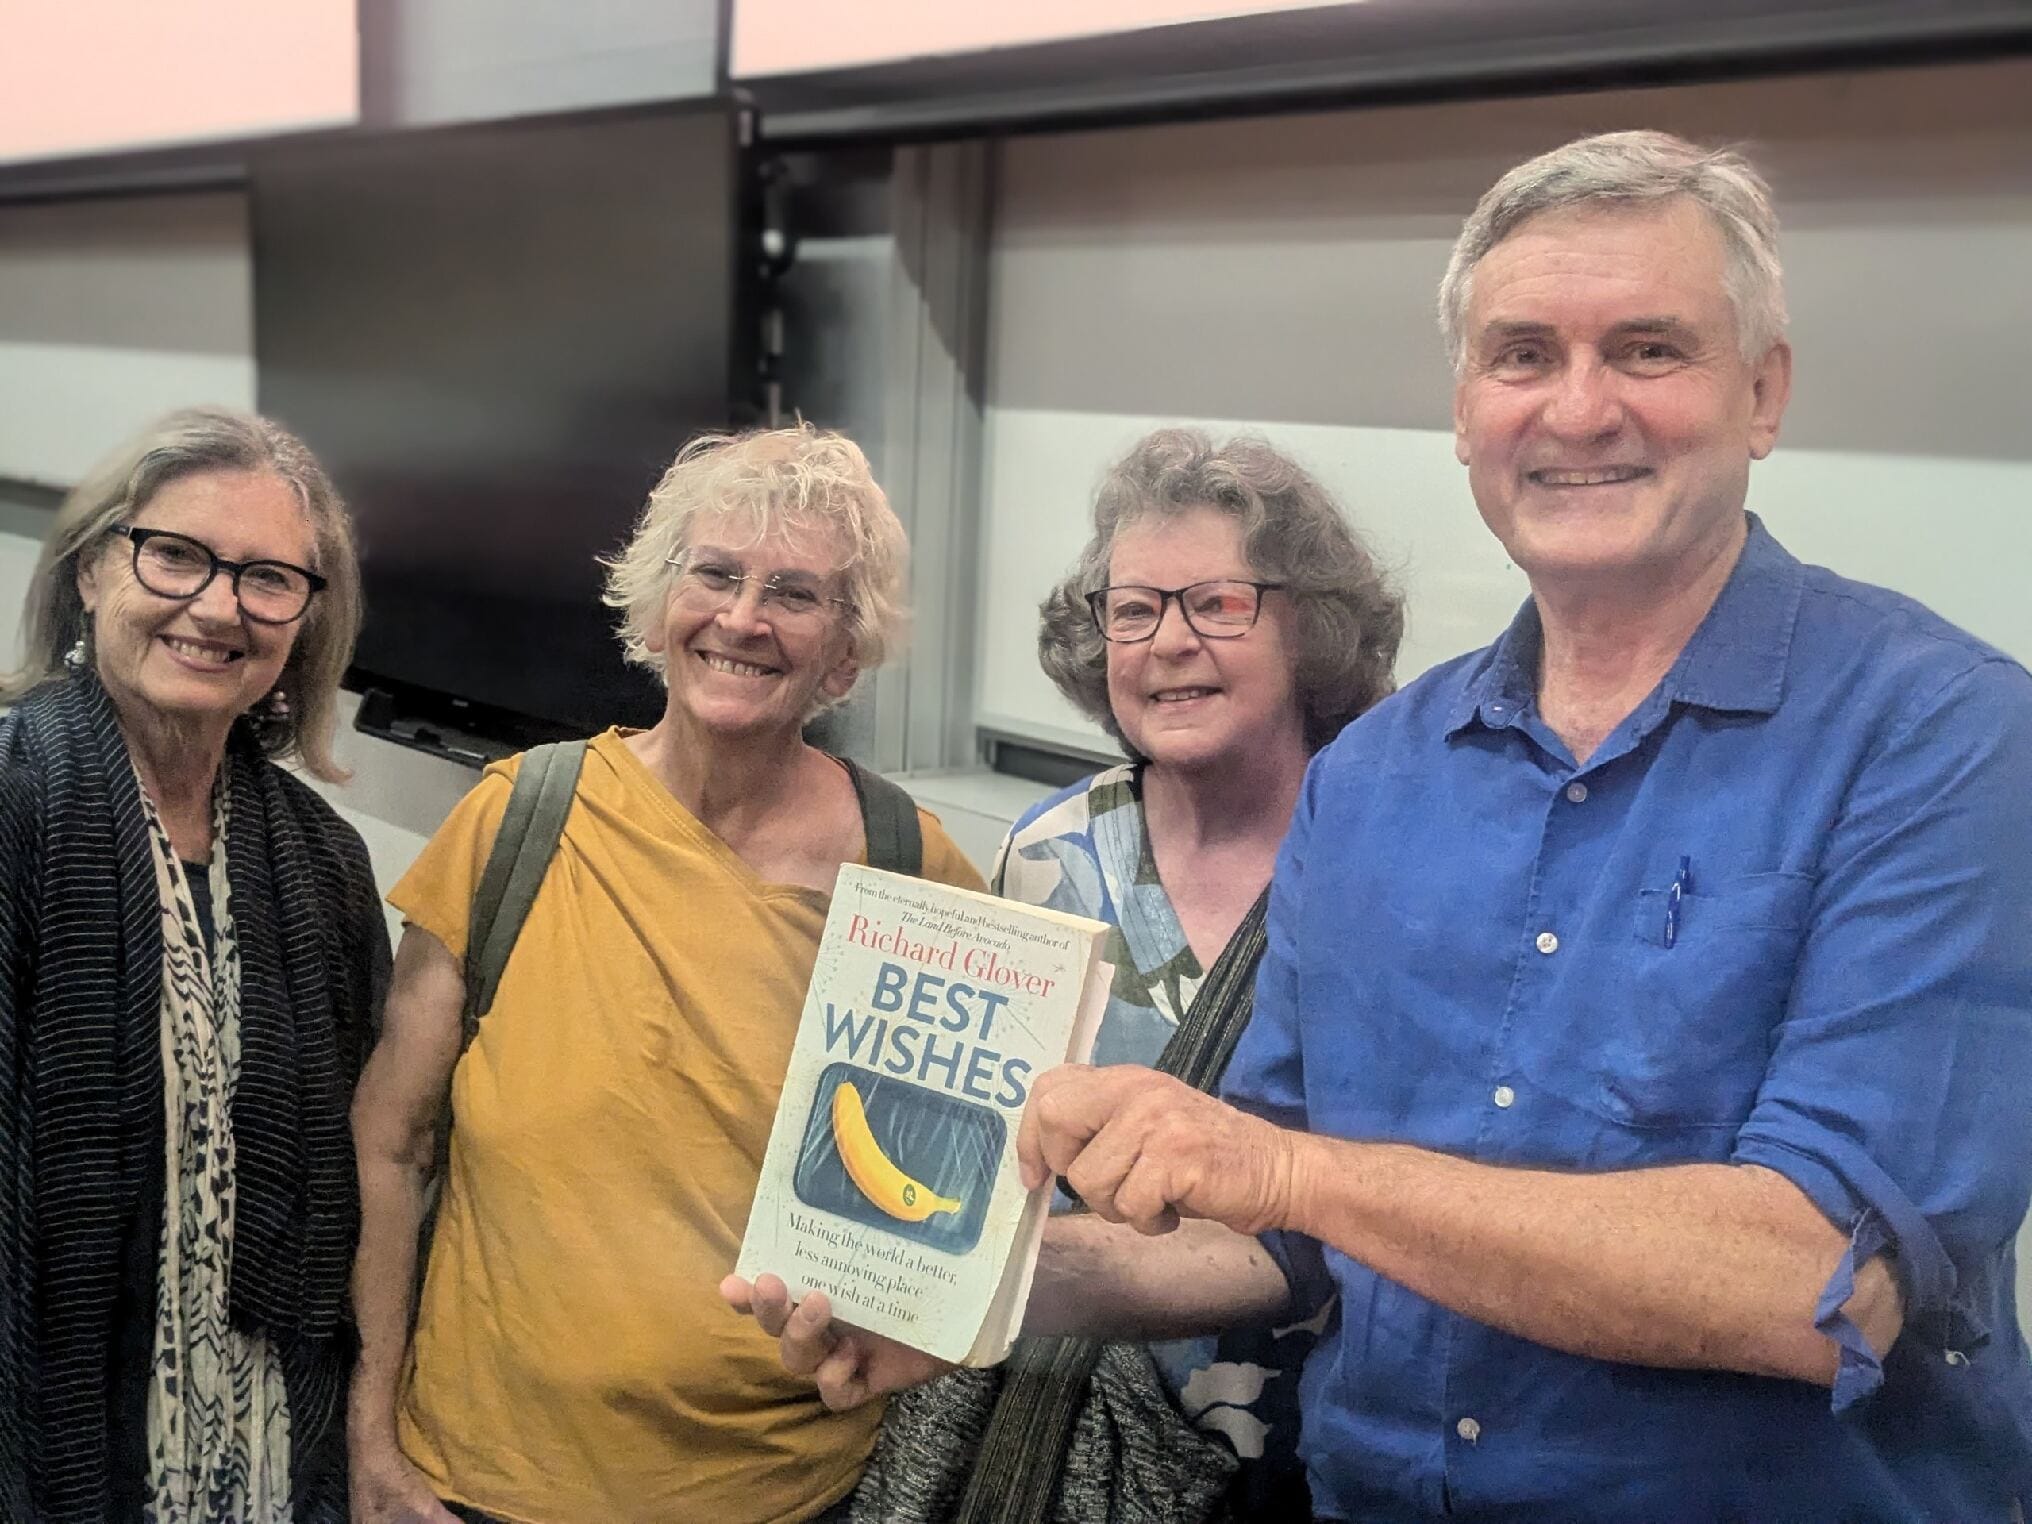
{"x": 799, "y": 36}
{"x": 82, "y": 76}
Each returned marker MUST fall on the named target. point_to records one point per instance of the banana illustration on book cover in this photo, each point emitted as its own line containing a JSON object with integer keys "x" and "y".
{"x": 901, "y": 1196}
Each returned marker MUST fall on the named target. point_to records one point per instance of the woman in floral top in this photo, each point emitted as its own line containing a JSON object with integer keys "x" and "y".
{"x": 1223, "y": 624}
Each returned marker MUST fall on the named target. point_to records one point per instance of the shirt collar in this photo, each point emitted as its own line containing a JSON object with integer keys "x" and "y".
{"x": 1735, "y": 661}
{"x": 1737, "y": 658}
{"x": 1503, "y": 683}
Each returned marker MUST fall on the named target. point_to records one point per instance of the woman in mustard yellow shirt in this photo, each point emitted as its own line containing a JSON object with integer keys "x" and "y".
{"x": 571, "y": 1360}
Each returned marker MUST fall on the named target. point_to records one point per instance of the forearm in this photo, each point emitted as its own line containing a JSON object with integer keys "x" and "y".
{"x": 1104, "y": 1280}
{"x": 384, "y": 1276}
{"x": 396, "y": 1112}
{"x": 1704, "y": 1266}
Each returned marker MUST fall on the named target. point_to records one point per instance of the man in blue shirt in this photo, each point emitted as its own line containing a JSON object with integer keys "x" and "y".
{"x": 1644, "y": 1045}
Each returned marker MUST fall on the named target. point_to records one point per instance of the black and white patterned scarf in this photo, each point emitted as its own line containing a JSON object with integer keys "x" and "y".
{"x": 82, "y": 1093}
{"x": 218, "y": 1414}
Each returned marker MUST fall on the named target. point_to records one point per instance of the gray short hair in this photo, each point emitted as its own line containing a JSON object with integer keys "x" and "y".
{"x": 1349, "y": 616}
{"x": 1625, "y": 169}
{"x": 797, "y": 478}
{"x": 191, "y": 442}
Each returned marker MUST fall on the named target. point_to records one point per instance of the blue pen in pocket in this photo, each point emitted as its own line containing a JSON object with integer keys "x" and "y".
{"x": 1681, "y": 882}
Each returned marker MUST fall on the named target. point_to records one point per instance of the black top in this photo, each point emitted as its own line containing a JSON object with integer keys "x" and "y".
{"x": 199, "y": 877}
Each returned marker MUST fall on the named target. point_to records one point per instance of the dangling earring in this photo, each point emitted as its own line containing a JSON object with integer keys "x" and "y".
{"x": 271, "y": 717}
{"x": 77, "y": 656}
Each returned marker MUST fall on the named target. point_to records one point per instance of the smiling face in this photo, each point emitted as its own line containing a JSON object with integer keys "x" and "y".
{"x": 1180, "y": 699}
{"x": 195, "y": 660}
{"x": 1604, "y": 410}
{"x": 736, "y": 664}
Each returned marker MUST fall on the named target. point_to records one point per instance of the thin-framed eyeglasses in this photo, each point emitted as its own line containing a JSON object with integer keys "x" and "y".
{"x": 709, "y": 584}
{"x": 1225, "y": 608}
{"x": 172, "y": 565}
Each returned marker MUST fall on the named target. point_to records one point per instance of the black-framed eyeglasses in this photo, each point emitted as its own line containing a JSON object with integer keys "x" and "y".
{"x": 710, "y": 585}
{"x": 1223, "y": 609}
{"x": 172, "y": 565}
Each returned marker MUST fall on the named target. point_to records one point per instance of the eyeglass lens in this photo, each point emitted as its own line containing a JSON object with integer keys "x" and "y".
{"x": 1220, "y": 609}
{"x": 714, "y": 585}
{"x": 174, "y": 566}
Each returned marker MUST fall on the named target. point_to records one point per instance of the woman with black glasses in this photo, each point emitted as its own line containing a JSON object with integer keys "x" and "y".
{"x": 1223, "y": 624}
{"x": 191, "y": 952}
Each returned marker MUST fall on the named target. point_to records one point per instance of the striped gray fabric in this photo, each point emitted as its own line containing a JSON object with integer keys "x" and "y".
{"x": 81, "y": 1094}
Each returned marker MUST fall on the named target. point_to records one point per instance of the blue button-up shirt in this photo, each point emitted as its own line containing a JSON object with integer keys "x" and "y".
{"x": 1782, "y": 917}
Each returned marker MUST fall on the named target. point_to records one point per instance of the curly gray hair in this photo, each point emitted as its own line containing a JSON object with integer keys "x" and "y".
{"x": 1634, "y": 169}
{"x": 799, "y": 478}
{"x": 1349, "y": 618}
{"x": 188, "y": 443}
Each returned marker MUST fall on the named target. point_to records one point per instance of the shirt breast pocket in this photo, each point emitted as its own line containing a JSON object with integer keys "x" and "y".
{"x": 1695, "y": 1039}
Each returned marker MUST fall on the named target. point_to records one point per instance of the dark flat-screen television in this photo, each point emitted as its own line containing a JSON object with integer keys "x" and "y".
{"x": 495, "y": 339}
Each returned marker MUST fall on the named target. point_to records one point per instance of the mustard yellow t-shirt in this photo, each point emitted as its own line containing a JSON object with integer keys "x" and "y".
{"x": 573, "y": 1361}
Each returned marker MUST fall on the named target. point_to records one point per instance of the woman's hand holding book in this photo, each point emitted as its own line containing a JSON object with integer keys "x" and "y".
{"x": 849, "y": 1365}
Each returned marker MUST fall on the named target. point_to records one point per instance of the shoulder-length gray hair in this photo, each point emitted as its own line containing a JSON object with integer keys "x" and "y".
{"x": 768, "y": 481}
{"x": 1349, "y": 616}
{"x": 188, "y": 443}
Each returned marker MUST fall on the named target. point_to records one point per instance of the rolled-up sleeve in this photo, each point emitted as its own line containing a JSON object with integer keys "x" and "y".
{"x": 1899, "y": 1092}
{"x": 1266, "y": 1077}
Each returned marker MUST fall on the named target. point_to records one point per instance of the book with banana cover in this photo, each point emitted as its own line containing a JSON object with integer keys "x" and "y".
{"x": 890, "y": 1182}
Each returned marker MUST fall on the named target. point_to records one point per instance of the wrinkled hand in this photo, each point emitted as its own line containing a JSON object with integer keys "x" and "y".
{"x": 1143, "y": 1148}
{"x": 386, "y": 1489}
{"x": 850, "y": 1365}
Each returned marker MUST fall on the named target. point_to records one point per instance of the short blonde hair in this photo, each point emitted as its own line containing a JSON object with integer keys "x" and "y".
{"x": 190, "y": 442}
{"x": 790, "y": 480}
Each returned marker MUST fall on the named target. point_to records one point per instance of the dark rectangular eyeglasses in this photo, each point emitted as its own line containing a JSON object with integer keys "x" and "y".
{"x": 172, "y": 565}
{"x": 1223, "y": 609}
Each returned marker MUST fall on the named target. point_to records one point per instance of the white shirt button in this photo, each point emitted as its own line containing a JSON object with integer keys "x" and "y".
{"x": 1504, "y": 1096}
{"x": 1468, "y": 1430}
{"x": 1548, "y": 943}
{"x": 1577, "y": 792}
{"x": 1956, "y": 1357}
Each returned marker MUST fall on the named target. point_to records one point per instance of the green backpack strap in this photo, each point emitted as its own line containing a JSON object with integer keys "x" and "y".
{"x": 889, "y": 820}
{"x": 523, "y": 847}
{"x": 524, "y": 844}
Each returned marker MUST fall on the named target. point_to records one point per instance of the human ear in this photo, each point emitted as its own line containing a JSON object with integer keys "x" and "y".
{"x": 840, "y": 678}
{"x": 1770, "y": 390}
{"x": 87, "y": 580}
{"x": 657, "y": 636}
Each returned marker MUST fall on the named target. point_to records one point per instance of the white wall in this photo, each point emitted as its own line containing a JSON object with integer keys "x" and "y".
{"x": 1278, "y": 275}
{"x": 18, "y": 549}
{"x": 395, "y": 799}
{"x": 794, "y": 37}
{"x": 87, "y": 76}
{"x": 112, "y": 312}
